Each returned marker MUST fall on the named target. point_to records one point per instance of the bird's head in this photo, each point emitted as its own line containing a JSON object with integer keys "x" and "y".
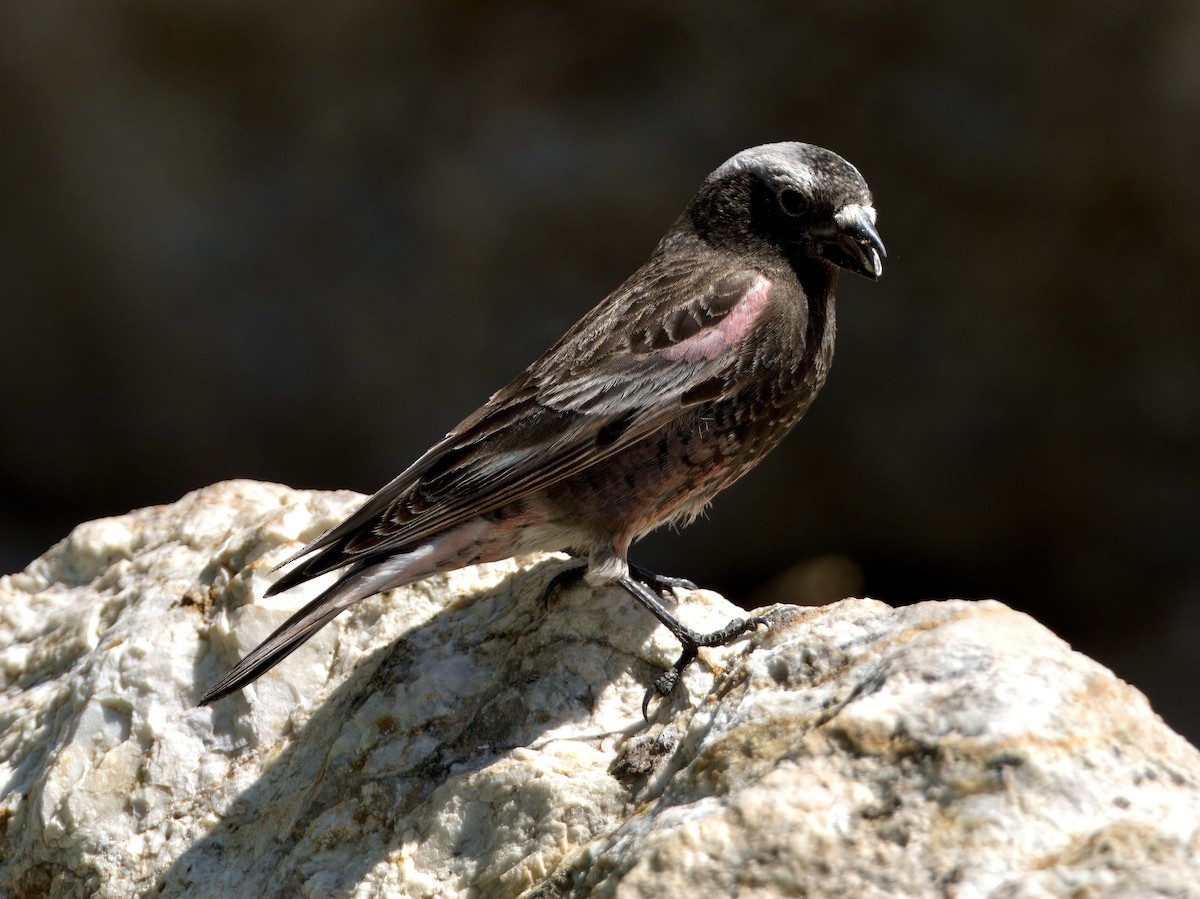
{"x": 800, "y": 199}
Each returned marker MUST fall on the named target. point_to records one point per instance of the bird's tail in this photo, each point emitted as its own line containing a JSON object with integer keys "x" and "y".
{"x": 359, "y": 583}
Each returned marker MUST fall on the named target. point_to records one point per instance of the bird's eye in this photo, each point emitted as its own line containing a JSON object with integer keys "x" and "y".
{"x": 792, "y": 201}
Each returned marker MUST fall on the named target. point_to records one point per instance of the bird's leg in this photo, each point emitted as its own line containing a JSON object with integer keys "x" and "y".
{"x": 571, "y": 576}
{"x": 692, "y": 641}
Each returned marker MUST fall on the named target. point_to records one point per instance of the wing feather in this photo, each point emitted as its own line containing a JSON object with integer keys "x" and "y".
{"x": 594, "y": 393}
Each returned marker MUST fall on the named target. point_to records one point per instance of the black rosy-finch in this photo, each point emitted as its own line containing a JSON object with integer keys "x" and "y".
{"x": 665, "y": 393}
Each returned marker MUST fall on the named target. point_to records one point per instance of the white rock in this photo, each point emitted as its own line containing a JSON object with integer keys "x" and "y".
{"x": 460, "y": 738}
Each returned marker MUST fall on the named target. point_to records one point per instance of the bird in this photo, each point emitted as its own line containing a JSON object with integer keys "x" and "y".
{"x": 665, "y": 393}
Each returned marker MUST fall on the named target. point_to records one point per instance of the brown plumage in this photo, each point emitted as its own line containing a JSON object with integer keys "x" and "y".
{"x": 669, "y": 390}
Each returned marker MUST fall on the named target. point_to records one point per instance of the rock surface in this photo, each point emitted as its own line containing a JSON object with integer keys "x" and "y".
{"x": 461, "y": 737}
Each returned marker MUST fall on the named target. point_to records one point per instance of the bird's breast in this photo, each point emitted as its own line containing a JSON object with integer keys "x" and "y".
{"x": 672, "y": 474}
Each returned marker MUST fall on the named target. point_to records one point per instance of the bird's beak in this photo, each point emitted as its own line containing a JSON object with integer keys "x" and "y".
{"x": 856, "y": 245}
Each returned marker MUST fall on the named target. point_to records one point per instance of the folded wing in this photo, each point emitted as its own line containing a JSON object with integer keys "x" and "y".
{"x": 598, "y": 390}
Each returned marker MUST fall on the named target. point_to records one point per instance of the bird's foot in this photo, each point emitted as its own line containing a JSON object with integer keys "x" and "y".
{"x": 659, "y": 583}
{"x": 692, "y": 642}
{"x": 566, "y": 579}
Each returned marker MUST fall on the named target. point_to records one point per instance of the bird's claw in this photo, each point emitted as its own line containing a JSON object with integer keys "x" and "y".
{"x": 665, "y": 583}
{"x": 564, "y": 580}
{"x": 660, "y": 583}
{"x": 669, "y": 680}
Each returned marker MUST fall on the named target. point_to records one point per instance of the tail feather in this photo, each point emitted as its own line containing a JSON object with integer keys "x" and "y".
{"x": 359, "y": 583}
{"x": 325, "y": 561}
{"x": 286, "y": 639}
{"x": 452, "y": 549}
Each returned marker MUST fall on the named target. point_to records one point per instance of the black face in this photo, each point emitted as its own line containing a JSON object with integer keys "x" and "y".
{"x": 803, "y": 200}
{"x": 787, "y": 213}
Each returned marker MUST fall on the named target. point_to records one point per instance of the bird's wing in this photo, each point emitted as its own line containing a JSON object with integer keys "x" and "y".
{"x": 665, "y": 340}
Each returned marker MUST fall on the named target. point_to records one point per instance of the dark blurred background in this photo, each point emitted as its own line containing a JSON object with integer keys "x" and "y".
{"x": 299, "y": 243}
